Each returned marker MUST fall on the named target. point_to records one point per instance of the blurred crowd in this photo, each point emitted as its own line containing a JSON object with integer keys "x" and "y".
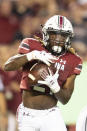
{"x": 23, "y": 18}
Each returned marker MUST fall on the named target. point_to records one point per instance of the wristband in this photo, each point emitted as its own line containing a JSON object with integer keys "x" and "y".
{"x": 55, "y": 88}
{"x": 30, "y": 56}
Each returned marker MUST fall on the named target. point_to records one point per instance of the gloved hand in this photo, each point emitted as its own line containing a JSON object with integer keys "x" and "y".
{"x": 43, "y": 56}
{"x": 51, "y": 80}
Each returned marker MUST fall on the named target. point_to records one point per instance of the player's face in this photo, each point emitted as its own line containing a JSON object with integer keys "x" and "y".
{"x": 57, "y": 42}
{"x": 57, "y": 39}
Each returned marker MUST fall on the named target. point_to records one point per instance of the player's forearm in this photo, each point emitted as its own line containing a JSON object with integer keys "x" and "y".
{"x": 19, "y": 60}
{"x": 15, "y": 62}
{"x": 62, "y": 96}
{"x": 65, "y": 93}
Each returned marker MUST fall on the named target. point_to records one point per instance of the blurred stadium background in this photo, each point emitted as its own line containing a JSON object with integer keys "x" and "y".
{"x": 22, "y": 18}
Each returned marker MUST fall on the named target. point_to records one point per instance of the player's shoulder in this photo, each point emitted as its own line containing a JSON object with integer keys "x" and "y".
{"x": 74, "y": 56}
{"x": 29, "y": 40}
{"x": 78, "y": 58}
{"x": 29, "y": 44}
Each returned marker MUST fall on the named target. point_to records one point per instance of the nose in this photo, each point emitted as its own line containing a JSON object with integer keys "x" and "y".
{"x": 58, "y": 37}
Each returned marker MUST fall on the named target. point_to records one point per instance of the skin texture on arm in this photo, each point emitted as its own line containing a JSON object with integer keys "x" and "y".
{"x": 19, "y": 60}
{"x": 15, "y": 62}
{"x": 65, "y": 93}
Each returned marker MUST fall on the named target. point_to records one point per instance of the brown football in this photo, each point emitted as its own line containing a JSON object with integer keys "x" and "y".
{"x": 35, "y": 72}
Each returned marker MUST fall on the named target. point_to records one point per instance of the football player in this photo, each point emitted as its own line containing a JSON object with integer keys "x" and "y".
{"x": 39, "y": 111}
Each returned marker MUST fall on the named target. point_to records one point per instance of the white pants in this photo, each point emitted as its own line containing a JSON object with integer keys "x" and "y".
{"x": 40, "y": 120}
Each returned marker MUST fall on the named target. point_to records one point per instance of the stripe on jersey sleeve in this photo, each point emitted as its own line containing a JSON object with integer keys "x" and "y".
{"x": 78, "y": 69}
{"x": 24, "y": 46}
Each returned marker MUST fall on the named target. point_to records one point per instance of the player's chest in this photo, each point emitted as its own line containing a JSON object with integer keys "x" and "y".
{"x": 65, "y": 67}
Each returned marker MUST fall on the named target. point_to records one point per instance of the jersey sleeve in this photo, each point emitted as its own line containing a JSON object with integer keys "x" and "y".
{"x": 29, "y": 44}
{"x": 78, "y": 67}
{"x": 24, "y": 47}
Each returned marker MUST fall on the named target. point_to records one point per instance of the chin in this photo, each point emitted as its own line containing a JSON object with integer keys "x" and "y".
{"x": 58, "y": 53}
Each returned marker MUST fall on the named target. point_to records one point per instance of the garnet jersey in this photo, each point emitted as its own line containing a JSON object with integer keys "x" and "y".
{"x": 68, "y": 63}
{"x": 30, "y": 44}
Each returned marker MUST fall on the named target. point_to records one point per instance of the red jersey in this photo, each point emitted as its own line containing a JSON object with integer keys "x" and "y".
{"x": 68, "y": 63}
{"x": 30, "y": 44}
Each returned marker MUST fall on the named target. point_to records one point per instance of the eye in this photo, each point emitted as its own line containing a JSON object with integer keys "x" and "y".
{"x": 64, "y": 34}
{"x": 52, "y": 36}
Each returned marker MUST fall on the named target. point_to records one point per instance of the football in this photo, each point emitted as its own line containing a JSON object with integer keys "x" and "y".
{"x": 36, "y": 70}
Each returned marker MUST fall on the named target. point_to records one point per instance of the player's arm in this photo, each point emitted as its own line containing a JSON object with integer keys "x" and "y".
{"x": 19, "y": 60}
{"x": 15, "y": 62}
{"x": 65, "y": 93}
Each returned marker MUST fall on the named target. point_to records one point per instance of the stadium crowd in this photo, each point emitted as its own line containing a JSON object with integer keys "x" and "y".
{"x": 20, "y": 19}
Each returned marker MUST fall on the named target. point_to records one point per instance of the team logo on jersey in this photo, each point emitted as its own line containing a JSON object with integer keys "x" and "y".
{"x": 60, "y": 65}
